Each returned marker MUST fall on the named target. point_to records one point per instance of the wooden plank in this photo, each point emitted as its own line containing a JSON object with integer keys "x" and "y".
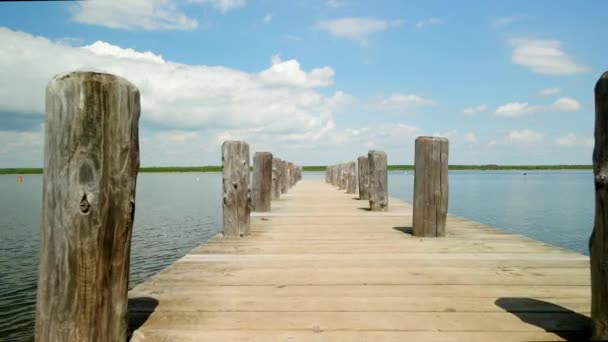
{"x": 321, "y": 267}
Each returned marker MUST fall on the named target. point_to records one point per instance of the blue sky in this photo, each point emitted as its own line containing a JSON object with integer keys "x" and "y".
{"x": 316, "y": 82}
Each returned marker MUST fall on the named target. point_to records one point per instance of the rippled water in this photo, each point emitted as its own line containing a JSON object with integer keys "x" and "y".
{"x": 176, "y": 212}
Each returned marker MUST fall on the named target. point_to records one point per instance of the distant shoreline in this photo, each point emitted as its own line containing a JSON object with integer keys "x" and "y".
{"x": 25, "y": 171}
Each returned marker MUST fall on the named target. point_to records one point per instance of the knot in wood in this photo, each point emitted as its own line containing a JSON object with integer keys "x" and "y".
{"x": 85, "y": 206}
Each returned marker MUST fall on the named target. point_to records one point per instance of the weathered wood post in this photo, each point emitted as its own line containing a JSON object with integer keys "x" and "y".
{"x": 598, "y": 243}
{"x": 352, "y": 177}
{"x": 276, "y": 178}
{"x": 91, "y": 160}
{"x": 289, "y": 174}
{"x": 378, "y": 186}
{"x": 284, "y": 177}
{"x": 430, "y": 186}
{"x": 342, "y": 179}
{"x": 235, "y": 181}
{"x": 363, "y": 162}
{"x": 262, "y": 181}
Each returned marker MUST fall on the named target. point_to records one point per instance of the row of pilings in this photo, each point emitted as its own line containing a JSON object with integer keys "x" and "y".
{"x": 272, "y": 177}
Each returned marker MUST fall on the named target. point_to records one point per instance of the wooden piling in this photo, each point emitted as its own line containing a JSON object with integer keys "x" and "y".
{"x": 235, "y": 181}
{"x": 598, "y": 243}
{"x": 284, "y": 177}
{"x": 430, "y": 186}
{"x": 91, "y": 160}
{"x": 378, "y": 181}
{"x": 352, "y": 177}
{"x": 276, "y": 178}
{"x": 363, "y": 163}
{"x": 262, "y": 181}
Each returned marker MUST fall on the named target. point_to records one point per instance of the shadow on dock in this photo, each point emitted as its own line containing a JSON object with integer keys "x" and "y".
{"x": 565, "y": 323}
{"x": 405, "y": 230}
{"x": 138, "y": 311}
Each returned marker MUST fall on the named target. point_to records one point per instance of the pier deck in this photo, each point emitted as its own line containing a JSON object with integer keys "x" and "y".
{"x": 320, "y": 267}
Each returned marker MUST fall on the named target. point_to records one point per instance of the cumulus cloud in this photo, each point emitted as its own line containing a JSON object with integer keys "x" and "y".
{"x": 473, "y": 110}
{"x": 544, "y": 57}
{"x": 517, "y": 109}
{"x": 525, "y": 136}
{"x": 430, "y": 21}
{"x": 289, "y": 73}
{"x": 397, "y": 101}
{"x": 278, "y": 100}
{"x": 572, "y": 139}
{"x": 143, "y": 14}
{"x": 549, "y": 91}
{"x": 358, "y": 29}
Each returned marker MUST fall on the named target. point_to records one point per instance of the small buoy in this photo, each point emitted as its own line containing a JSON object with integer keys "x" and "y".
{"x": 525, "y": 173}
{"x": 19, "y": 179}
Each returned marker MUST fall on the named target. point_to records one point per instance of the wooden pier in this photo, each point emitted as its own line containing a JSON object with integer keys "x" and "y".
{"x": 322, "y": 267}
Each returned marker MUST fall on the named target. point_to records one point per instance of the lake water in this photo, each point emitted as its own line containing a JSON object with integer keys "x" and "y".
{"x": 177, "y": 211}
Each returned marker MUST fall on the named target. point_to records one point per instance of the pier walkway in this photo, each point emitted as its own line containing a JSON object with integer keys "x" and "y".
{"x": 321, "y": 267}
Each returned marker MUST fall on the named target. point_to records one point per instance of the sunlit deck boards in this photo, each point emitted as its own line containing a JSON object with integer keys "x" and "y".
{"x": 320, "y": 267}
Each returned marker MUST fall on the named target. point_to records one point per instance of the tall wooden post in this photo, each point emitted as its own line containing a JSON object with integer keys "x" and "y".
{"x": 284, "y": 177}
{"x": 235, "y": 181}
{"x": 289, "y": 174}
{"x": 262, "y": 181}
{"x": 598, "y": 243}
{"x": 352, "y": 177}
{"x": 363, "y": 162}
{"x": 342, "y": 179}
{"x": 276, "y": 178}
{"x": 378, "y": 178}
{"x": 91, "y": 160}
{"x": 430, "y": 186}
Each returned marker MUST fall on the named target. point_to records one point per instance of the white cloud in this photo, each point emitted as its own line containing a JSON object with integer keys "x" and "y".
{"x": 358, "y": 29}
{"x": 143, "y": 14}
{"x": 473, "y": 110}
{"x": 544, "y": 57}
{"x": 503, "y": 21}
{"x": 223, "y": 5}
{"x": 334, "y": 3}
{"x": 267, "y": 18}
{"x": 21, "y": 149}
{"x": 571, "y": 139}
{"x": 430, "y": 21}
{"x": 398, "y": 101}
{"x": 279, "y": 101}
{"x": 289, "y": 73}
{"x": 517, "y": 109}
{"x": 549, "y": 91}
{"x": 525, "y": 136}
{"x": 470, "y": 138}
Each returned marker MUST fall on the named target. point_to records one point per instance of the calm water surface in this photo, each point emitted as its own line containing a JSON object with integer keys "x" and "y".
{"x": 175, "y": 212}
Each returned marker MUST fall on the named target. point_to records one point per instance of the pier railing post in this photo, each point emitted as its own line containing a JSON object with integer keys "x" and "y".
{"x": 276, "y": 178}
{"x": 363, "y": 163}
{"x": 235, "y": 182}
{"x": 598, "y": 243}
{"x": 91, "y": 160}
{"x": 378, "y": 181}
{"x": 430, "y": 187}
{"x": 262, "y": 181}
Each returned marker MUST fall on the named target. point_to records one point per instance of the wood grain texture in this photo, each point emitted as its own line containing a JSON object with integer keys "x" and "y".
{"x": 363, "y": 168}
{"x": 91, "y": 160}
{"x": 236, "y": 199}
{"x": 284, "y": 176}
{"x": 352, "y": 177}
{"x": 430, "y": 186}
{"x": 598, "y": 243}
{"x": 320, "y": 268}
{"x": 262, "y": 181}
{"x": 378, "y": 181}
{"x": 276, "y": 178}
